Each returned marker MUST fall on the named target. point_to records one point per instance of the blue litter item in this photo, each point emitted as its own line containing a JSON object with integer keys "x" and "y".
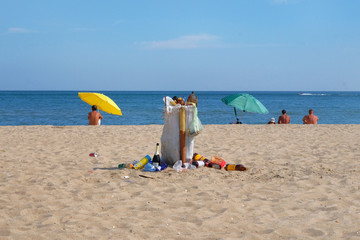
{"x": 149, "y": 168}
{"x": 163, "y": 166}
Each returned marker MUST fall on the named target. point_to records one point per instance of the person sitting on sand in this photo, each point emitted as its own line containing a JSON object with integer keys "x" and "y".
{"x": 272, "y": 121}
{"x": 284, "y": 119}
{"x": 191, "y": 99}
{"x": 311, "y": 118}
{"x": 94, "y": 116}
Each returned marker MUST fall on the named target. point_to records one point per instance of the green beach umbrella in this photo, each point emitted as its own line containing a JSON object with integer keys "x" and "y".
{"x": 245, "y": 102}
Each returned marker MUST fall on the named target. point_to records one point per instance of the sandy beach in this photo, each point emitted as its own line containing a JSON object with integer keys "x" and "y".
{"x": 303, "y": 183}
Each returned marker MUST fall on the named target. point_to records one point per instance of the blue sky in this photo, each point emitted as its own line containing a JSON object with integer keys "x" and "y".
{"x": 258, "y": 45}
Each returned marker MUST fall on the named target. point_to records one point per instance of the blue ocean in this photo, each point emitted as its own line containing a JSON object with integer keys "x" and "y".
{"x": 60, "y": 108}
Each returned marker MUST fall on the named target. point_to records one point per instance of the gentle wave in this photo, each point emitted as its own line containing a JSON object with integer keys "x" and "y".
{"x": 313, "y": 94}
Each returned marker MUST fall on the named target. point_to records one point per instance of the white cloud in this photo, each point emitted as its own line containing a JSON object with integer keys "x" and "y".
{"x": 19, "y": 30}
{"x": 184, "y": 42}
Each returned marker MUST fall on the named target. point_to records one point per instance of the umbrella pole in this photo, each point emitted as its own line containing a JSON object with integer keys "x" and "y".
{"x": 237, "y": 119}
{"x": 182, "y": 135}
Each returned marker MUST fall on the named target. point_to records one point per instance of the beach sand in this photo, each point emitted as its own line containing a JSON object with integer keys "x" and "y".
{"x": 303, "y": 182}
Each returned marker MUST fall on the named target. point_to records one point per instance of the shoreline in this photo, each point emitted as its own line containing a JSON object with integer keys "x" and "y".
{"x": 244, "y": 124}
{"x": 302, "y": 182}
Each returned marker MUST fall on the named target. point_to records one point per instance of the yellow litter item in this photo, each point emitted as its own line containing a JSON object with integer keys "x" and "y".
{"x": 103, "y": 102}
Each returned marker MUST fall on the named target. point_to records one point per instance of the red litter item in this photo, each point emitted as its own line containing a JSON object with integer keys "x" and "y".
{"x": 218, "y": 161}
{"x": 93, "y": 154}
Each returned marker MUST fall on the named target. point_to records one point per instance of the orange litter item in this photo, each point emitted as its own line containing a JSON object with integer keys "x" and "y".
{"x": 218, "y": 161}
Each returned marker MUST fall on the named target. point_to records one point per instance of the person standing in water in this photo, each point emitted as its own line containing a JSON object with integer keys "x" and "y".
{"x": 191, "y": 99}
{"x": 94, "y": 116}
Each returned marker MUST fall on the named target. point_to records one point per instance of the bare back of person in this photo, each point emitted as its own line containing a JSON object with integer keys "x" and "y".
{"x": 311, "y": 118}
{"x": 94, "y": 117}
{"x": 284, "y": 119}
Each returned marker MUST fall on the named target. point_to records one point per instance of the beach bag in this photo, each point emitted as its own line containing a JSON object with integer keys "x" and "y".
{"x": 195, "y": 126}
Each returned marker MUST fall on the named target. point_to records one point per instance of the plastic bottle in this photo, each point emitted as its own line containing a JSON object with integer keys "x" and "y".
{"x": 131, "y": 165}
{"x": 207, "y": 163}
{"x": 233, "y": 167}
{"x": 191, "y": 166}
{"x": 149, "y": 167}
{"x": 198, "y": 164}
{"x": 178, "y": 166}
{"x": 142, "y": 162}
{"x": 198, "y": 157}
{"x": 156, "y": 157}
{"x": 216, "y": 166}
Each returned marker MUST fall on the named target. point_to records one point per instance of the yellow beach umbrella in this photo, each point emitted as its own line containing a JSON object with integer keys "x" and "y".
{"x": 103, "y": 103}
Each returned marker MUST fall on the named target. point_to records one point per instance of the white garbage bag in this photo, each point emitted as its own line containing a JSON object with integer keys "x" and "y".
{"x": 170, "y": 138}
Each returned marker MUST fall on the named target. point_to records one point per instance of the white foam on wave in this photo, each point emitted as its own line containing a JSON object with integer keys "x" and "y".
{"x": 313, "y": 94}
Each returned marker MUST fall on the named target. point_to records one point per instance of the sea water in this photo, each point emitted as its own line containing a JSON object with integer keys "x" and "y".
{"x": 60, "y": 108}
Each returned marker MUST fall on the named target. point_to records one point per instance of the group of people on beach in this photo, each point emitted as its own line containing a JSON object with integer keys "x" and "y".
{"x": 95, "y": 117}
{"x": 285, "y": 119}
